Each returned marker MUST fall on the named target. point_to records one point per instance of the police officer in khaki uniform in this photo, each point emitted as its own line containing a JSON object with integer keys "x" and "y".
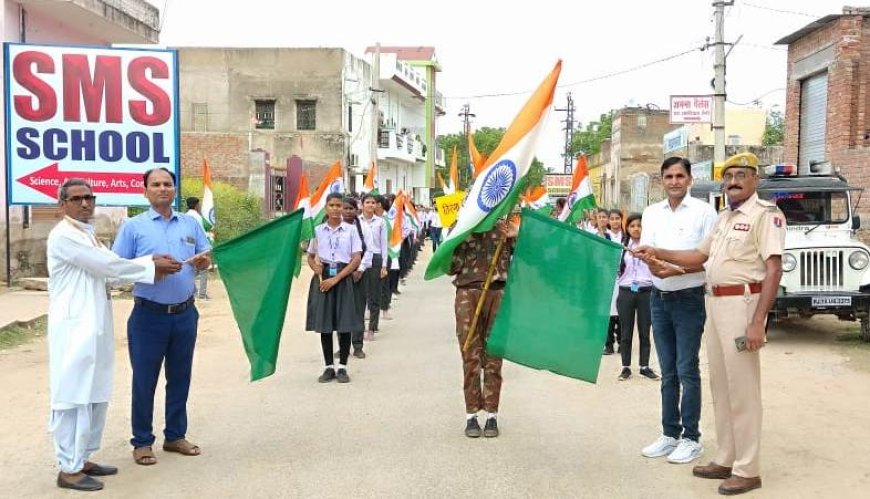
{"x": 743, "y": 268}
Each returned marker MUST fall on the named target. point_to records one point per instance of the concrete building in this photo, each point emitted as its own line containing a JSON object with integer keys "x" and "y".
{"x": 264, "y": 116}
{"x": 73, "y": 22}
{"x": 827, "y": 115}
{"x": 635, "y": 156}
{"x": 408, "y": 109}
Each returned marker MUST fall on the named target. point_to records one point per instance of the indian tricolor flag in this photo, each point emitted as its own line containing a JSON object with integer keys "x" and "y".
{"x": 411, "y": 213}
{"x": 441, "y": 183}
{"x": 536, "y": 199}
{"x": 333, "y": 182}
{"x": 477, "y": 159}
{"x": 453, "y": 181}
{"x": 370, "y": 186}
{"x": 398, "y": 219}
{"x": 501, "y": 180}
{"x": 303, "y": 197}
{"x": 207, "y": 208}
{"x": 581, "y": 198}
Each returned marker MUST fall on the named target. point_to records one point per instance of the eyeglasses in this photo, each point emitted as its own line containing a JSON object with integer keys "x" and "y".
{"x": 728, "y": 177}
{"x": 90, "y": 198}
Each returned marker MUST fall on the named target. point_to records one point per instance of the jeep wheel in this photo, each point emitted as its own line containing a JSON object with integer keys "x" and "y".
{"x": 865, "y": 330}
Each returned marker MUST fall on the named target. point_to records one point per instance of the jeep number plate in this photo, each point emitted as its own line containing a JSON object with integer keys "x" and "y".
{"x": 832, "y": 301}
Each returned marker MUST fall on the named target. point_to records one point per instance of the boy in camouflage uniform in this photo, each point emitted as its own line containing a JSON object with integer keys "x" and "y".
{"x": 470, "y": 264}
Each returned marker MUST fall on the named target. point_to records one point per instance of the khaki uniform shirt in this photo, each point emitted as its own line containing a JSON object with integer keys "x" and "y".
{"x": 472, "y": 258}
{"x": 741, "y": 242}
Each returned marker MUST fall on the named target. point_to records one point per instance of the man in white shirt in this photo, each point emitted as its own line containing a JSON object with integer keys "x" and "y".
{"x": 435, "y": 228}
{"x": 679, "y": 222}
{"x": 80, "y": 334}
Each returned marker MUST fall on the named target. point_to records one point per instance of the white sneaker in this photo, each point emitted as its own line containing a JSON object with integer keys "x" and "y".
{"x": 686, "y": 452}
{"x": 661, "y": 447}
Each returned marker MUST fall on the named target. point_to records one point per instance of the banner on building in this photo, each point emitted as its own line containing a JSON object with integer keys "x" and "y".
{"x": 558, "y": 184}
{"x": 448, "y": 207}
{"x": 102, "y": 114}
{"x": 691, "y": 109}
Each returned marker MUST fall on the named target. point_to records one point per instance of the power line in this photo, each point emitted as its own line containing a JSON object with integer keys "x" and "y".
{"x": 781, "y": 11}
{"x": 753, "y": 101}
{"x": 163, "y": 15}
{"x": 588, "y": 80}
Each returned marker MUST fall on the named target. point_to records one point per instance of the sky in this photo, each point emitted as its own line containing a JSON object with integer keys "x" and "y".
{"x": 486, "y": 48}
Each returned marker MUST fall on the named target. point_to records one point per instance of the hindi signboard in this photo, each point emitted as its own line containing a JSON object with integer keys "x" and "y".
{"x": 106, "y": 115}
{"x": 448, "y": 207}
{"x": 691, "y": 109}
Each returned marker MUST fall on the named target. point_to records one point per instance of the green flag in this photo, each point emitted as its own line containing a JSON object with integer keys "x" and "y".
{"x": 556, "y": 305}
{"x": 257, "y": 268}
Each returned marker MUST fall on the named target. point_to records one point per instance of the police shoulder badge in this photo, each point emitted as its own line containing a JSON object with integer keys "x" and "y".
{"x": 777, "y": 222}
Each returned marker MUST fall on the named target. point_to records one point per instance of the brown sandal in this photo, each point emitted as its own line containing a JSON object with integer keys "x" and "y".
{"x": 181, "y": 446}
{"x": 144, "y": 456}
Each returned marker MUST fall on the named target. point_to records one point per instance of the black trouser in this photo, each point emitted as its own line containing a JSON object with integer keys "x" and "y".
{"x": 372, "y": 283}
{"x": 394, "y": 280}
{"x": 343, "y": 348}
{"x": 629, "y": 303}
{"x": 436, "y": 237}
{"x": 613, "y": 332}
{"x": 386, "y": 288}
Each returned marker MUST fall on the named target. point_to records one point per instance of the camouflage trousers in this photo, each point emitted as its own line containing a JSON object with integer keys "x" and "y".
{"x": 478, "y": 395}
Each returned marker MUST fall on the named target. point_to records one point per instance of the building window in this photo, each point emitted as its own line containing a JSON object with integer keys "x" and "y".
{"x": 641, "y": 121}
{"x": 264, "y": 114}
{"x": 306, "y": 115}
{"x": 734, "y": 140}
{"x": 199, "y": 110}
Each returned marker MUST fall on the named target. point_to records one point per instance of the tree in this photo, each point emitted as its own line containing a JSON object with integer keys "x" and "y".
{"x": 774, "y": 129}
{"x": 588, "y": 140}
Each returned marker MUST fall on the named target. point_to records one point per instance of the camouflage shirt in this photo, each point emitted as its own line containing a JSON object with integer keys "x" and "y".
{"x": 472, "y": 258}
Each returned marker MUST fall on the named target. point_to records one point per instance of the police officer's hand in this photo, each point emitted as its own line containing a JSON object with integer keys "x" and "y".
{"x": 754, "y": 337}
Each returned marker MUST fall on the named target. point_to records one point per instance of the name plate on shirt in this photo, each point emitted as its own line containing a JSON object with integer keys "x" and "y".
{"x": 832, "y": 301}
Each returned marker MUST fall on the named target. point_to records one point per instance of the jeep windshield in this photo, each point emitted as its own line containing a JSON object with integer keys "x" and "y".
{"x": 812, "y": 207}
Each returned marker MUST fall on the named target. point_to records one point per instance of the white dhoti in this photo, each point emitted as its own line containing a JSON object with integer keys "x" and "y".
{"x": 77, "y": 434}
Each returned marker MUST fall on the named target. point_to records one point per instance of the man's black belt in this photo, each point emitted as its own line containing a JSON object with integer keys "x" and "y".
{"x": 174, "y": 308}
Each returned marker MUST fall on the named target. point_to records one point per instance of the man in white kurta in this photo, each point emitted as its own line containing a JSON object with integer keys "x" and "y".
{"x": 80, "y": 335}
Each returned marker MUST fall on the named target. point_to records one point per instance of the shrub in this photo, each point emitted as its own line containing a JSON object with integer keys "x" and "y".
{"x": 236, "y": 211}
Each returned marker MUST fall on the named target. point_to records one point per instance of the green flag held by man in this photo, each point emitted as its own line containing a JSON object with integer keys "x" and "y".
{"x": 257, "y": 269}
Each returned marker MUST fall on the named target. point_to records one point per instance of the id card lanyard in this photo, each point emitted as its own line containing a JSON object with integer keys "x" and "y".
{"x": 334, "y": 239}
{"x": 635, "y": 286}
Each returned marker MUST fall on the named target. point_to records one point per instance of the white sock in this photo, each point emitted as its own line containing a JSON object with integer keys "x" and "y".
{"x": 330, "y": 366}
{"x": 627, "y": 367}
{"x": 491, "y": 415}
{"x": 644, "y": 367}
{"x": 470, "y": 416}
{"x": 342, "y": 366}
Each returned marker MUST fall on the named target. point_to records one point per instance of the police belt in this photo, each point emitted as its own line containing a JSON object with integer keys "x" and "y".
{"x": 495, "y": 285}
{"x": 735, "y": 289}
{"x": 174, "y": 308}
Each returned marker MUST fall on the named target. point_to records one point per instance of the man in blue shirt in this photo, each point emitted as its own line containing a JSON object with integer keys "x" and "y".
{"x": 162, "y": 326}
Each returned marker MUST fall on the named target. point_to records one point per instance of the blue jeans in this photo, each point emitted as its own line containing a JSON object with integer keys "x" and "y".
{"x": 678, "y": 323}
{"x": 153, "y": 336}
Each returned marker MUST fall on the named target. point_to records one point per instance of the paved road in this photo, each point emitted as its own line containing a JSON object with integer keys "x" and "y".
{"x": 396, "y": 429}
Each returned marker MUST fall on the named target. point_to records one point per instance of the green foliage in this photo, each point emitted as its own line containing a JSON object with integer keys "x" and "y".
{"x": 486, "y": 139}
{"x": 774, "y": 129}
{"x": 236, "y": 211}
{"x": 589, "y": 139}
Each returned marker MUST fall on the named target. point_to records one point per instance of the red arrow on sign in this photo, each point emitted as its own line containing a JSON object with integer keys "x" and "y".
{"x": 49, "y": 179}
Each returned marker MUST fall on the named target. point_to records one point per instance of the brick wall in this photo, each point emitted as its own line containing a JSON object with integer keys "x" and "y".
{"x": 847, "y": 142}
{"x": 227, "y": 155}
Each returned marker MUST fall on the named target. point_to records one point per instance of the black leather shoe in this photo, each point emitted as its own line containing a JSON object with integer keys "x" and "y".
{"x": 491, "y": 428}
{"x": 99, "y": 469}
{"x": 472, "y": 428}
{"x": 87, "y": 484}
{"x": 327, "y": 376}
{"x": 342, "y": 376}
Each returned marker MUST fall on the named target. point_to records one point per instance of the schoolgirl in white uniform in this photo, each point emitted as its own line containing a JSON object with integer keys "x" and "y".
{"x": 333, "y": 255}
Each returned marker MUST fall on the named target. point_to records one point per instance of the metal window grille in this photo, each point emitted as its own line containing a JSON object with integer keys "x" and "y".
{"x": 306, "y": 115}
{"x": 264, "y": 113}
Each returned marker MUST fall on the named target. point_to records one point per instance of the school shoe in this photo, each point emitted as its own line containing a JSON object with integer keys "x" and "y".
{"x": 87, "y": 484}
{"x": 625, "y": 374}
{"x": 648, "y": 373}
{"x": 490, "y": 430}
{"x": 472, "y": 428}
{"x": 734, "y": 485}
{"x": 661, "y": 447}
{"x": 327, "y": 376}
{"x": 358, "y": 353}
{"x": 608, "y": 350}
{"x": 342, "y": 376}
{"x": 686, "y": 452}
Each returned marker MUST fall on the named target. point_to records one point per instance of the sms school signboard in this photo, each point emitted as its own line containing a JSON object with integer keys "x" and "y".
{"x": 102, "y": 114}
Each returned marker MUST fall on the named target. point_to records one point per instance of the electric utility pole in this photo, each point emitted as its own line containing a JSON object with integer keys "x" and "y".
{"x": 567, "y": 157}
